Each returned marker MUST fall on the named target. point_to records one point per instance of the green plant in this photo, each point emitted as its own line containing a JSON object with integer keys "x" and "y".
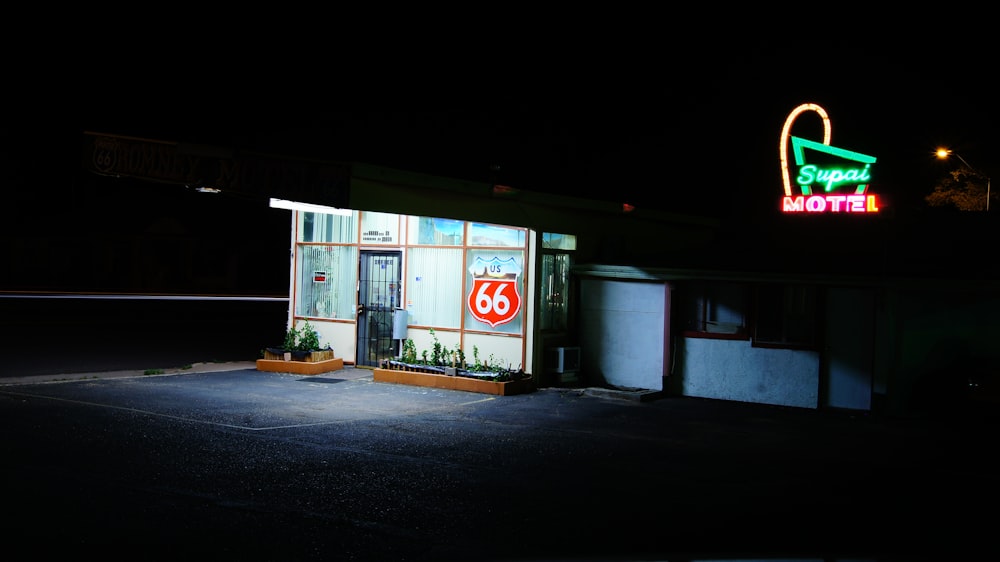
{"x": 409, "y": 351}
{"x": 476, "y": 365}
{"x": 437, "y": 355}
{"x": 291, "y": 339}
{"x": 304, "y": 338}
{"x": 442, "y": 356}
{"x": 308, "y": 338}
{"x": 508, "y": 374}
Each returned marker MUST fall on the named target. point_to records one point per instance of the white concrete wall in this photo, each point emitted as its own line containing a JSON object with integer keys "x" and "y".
{"x": 339, "y": 335}
{"x": 623, "y": 327}
{"x": 734, "y": 370}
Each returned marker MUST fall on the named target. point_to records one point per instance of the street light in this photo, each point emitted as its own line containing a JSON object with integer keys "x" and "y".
{"x": 944, "y": 153}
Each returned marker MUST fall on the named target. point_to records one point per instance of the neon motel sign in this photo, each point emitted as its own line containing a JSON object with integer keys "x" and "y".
{"x": 830, "y": 179}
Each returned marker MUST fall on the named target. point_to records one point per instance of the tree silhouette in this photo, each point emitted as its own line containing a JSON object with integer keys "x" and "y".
{"x": 963, "y": 188}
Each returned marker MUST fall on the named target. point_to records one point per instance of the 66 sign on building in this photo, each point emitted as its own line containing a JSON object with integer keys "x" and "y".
{"x": 493, "y": 297}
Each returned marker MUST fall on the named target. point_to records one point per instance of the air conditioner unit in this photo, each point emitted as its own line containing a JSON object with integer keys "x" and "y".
{"x": 563, "y": 360}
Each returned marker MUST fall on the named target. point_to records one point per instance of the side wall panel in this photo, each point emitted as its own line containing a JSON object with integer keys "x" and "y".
{"x": 622, "y": 333}
{"x": 734, "y": 370}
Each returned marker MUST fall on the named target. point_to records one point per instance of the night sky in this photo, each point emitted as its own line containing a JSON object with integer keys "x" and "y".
{"x": 667, "y": 113}
{"x": 677, "y": 123}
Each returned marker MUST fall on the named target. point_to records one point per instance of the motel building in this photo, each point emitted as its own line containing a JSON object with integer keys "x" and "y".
{"x": 582, "y": 292}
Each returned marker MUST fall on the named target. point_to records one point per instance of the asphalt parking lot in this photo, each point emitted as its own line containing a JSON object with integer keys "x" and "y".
{"x": 253, "y": 465}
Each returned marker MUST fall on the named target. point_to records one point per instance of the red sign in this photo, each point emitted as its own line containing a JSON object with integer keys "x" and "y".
{"x": 493, "y": 298}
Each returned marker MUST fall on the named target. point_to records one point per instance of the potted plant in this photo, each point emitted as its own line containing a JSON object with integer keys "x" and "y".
{"x": 300, "y": 352}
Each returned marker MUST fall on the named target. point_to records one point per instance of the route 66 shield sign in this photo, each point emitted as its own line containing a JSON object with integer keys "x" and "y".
{"x": 493, "y": 298}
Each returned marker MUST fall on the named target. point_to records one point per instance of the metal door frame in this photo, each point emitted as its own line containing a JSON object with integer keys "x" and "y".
{"x": 375, "y": 311}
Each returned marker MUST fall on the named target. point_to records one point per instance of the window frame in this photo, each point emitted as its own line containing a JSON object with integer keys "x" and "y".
{"x": 775, "y": 315}
{"x": 699, "y": 296}
{"x": 556, "y": 246}
{"x": 798, "y": 322}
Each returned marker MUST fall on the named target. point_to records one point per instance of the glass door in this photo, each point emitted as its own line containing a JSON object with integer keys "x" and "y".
{"x": 379, "y": 297}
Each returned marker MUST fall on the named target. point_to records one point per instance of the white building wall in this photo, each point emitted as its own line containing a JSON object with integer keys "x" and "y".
{"x": 623, "y": 327}
{"x": 338, "y": 335}
{"x": 735, "y": 370}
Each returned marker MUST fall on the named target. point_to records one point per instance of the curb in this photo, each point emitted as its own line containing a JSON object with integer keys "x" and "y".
{"x": 75, "y": 377}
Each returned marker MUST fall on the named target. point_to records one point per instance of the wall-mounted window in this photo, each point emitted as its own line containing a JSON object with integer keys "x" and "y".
{"x": 321, "y": 227}
{"x": 434, "y": 286}
{"x": 712, "y": 309}
{"x": 326, "y": 269}
{"x": 495, "y": 235}
{"x": 769, "y": 314}
{"x": 552, "y": 314}
{"x": 785, "y": 316}
{"x": 447, "y": 259}
{"x": 325, "y": 280}
{"x": 379, "y": 228}
{"x": 494, "y": 284}
{"x": 554, "y": 284}
{"x": 430, "y": 231}
{"x": 556, "y": 241}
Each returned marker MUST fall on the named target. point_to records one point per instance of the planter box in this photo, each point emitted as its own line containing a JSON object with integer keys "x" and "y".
{"x": 435, "y": 380}
{"x": 302, "y": 363}
{"x": 275, "y": 354}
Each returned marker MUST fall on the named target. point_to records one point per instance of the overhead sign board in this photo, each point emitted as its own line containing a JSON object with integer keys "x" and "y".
{"x": 827, "y": 179}
{"x": 213, "y": 169}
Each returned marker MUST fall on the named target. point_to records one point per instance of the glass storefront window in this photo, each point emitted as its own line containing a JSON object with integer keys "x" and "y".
{"x": 554, "y": 241}
{"x": 494, "y": 287}
{"x": 494, "y": 235}
{"x": 326, "y": 280}
{"x": 554, "y": 280}
{"x": 434, "y": 287}
{"x": 320, "y": 227}
{"x": 379, "y": 228}
{"x": 463, "y": 277}
{"x": 430, "y": 231}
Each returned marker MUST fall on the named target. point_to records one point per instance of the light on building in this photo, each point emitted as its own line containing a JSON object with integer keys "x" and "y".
{"x": 308, "y": 207}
